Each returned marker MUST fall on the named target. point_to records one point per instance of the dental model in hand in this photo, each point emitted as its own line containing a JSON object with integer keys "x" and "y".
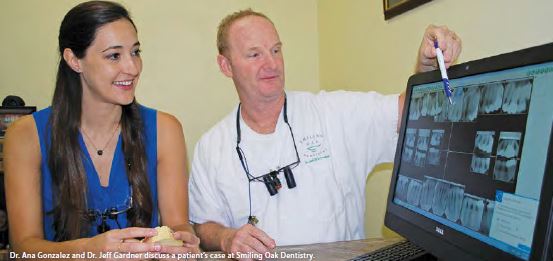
{"x": 164, "y": 237}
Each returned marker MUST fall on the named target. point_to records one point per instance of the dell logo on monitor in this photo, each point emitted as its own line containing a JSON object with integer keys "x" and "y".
{"x": 440, "y": 231}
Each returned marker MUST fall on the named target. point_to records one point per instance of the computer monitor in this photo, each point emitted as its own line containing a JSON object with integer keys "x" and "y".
{"x": 474, "y": 179}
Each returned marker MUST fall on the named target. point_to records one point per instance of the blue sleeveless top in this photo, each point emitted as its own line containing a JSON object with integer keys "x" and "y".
{"x": 99, "y": 199}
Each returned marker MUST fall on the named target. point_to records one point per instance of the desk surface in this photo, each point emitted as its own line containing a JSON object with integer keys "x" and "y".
{"x": 342, "y": 250}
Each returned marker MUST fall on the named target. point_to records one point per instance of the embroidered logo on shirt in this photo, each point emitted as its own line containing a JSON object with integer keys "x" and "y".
{"x": 313, "y": 148}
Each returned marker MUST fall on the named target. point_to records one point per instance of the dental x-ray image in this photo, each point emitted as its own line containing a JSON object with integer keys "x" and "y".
{"x": 435, "y": 103}
{"x": 432, "y": 104}
{"x": 439, "y": 202}
{"x": 420, "y": 158}
{"x": 484, "y": 143}
{"x": 489, "y": 206}
{"x": 407, "y": 155}
{"x": 415, "y": 109}
{"x": 425, "y": 105}
{"x": 480, "y": 165}
{"x": 409, "y": 148}
{"x": 433, "y": 156}
{"x": 436, "y": 138}
{"x": 410, "y": 137}
{"x": 454, "y": 200}
{"x": 424, "y": 138}
{"x": 402, "y": 187}
{"x": 472, "y": 211}
{"x": 414, "y": 192}
{"x": 517, "y": 96}
{"x": 470, "y": 103}
{"x": 482, "y": 152}
{"x": 422, "y": 147}
{"x": 505, "y": 170}
{"x": 455, "y": 111}
{"x": 509, "y": 144}
{"x": 427, "y": 193}
{"x": 442, "y": 107}
{"x": 491, "y": 98}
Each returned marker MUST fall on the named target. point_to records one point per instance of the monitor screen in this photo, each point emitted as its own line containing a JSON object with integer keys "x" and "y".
{"x": 470, "y": 172}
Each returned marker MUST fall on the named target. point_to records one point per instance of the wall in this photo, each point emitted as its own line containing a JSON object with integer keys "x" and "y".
{"x": 359, "y": 50}
{"x": 180, "y": 74}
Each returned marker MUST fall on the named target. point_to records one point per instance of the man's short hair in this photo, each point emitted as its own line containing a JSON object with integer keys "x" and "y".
{"x": 222, "y": 31}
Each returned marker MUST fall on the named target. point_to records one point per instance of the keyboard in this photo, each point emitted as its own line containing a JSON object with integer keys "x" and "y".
{"x": 404, "y": 250}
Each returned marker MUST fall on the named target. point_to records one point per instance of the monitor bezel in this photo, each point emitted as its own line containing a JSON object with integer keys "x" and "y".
{"x": 454, "y": 245}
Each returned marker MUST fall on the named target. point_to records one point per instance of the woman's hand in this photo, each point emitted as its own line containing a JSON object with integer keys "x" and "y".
{"x": 122, "y": 241}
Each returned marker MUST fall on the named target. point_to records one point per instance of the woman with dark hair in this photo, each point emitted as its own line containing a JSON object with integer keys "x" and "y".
{"x": 96, "y": 170}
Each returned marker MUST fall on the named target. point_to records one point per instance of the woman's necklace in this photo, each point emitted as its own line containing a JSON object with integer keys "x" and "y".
{"x": 100, "y": 151}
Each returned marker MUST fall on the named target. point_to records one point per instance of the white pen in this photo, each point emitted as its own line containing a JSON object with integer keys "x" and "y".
{"x": 445, "y": 79}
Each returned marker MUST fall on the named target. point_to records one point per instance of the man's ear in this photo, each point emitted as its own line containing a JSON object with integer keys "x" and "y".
{"x": 224, "y": 65}
{"x": 71, "y": 60}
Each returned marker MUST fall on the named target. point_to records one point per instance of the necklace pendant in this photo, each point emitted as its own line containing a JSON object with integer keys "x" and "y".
{"x": 100, "y": 152}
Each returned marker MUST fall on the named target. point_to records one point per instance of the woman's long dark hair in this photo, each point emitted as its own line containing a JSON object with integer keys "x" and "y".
{"x": 69, "y": 182}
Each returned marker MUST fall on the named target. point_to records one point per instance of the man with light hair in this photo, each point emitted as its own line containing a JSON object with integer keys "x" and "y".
{"x": 284, "y": 167}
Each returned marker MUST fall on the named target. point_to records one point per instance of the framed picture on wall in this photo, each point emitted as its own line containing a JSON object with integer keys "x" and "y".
{"x": 395, "y": 7}
{"x": 9, "y": 114}
{"x": 1, "y": 155}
